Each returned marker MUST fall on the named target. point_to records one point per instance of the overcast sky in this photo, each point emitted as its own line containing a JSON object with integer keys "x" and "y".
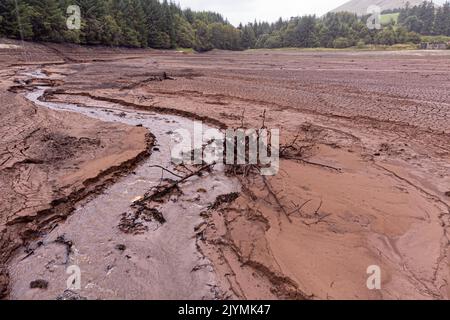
{"x": 265, "y": 10}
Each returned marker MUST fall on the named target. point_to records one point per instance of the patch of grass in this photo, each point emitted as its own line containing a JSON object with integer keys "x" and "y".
{"x": 395, "y": 47}
{"x": 404, "y": 46}
{"x": 435, "y": 39}
{"x": 294, "y": 49}
{"x": 369, "y": 47}
{"x": 185, "y": 50}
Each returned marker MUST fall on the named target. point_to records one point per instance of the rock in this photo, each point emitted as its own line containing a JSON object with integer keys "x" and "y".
{"x": 225, "y": 198}
{"x": 121, "y": 247}
{"x": 70, "y": 295}
{"x": 137, "y": 199}
{"x": 4, "y": 280}
{"x": 39, "y": 284}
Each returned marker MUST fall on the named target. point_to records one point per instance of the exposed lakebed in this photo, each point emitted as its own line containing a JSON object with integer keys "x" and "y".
{"x": 162, "y": 261}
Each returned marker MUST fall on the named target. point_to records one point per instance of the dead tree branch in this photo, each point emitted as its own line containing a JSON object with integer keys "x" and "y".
{"x": 161, "y": 192}
{"x": 277, "y": 200}
{"x": 167, "y": 170}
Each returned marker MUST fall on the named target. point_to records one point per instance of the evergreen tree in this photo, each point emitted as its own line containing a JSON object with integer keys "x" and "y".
{"x": 93, "y": 14}
{"x": 184, "y": 32}
{"x": 426, "y": 15}
{"x": 414, "y": 24}
{"x": 168, "y": 25}
{"x": 248, "y": 37}
{"x": 163, "y": 24}
{"x": 157, "y": 37}
{"x": 202, "y": 35}
{"x": 111, "y": 32}
{"x": 442, "y": 21}
{"x": 15, "y": 21}
{"x": 47, "y": 20}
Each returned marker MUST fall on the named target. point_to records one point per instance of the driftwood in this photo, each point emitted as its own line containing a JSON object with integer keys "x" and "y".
{"x": 225, "y": 198}
{"x": 313, "y": 163}
{"x": 165, "y": 190}
{"x": 167, "y": 170}
{"x": 68, "y": 244}
{"x": 316, "y": 215}
{"x": 297, "y": 152}
{"x": 135, "y": 221}
{"x": 277, "y": 200}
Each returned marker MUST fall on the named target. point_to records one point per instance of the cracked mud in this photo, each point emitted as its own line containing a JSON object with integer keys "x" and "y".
{"x": 367, "y": 185}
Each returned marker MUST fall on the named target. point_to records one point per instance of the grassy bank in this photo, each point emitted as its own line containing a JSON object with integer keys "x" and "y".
{"x": 395, "y": 47}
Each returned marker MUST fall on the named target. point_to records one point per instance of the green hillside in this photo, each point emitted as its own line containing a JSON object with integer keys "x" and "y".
{"x": 387, "y": 18}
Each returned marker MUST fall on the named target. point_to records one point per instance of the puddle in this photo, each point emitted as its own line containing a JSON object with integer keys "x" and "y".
{"x": 35, "y": 74}
{"x": 158, "y": 264}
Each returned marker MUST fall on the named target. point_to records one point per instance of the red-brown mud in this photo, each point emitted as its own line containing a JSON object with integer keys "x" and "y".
{"x": 370, "y": 189}
{"x": 51, "y": 160}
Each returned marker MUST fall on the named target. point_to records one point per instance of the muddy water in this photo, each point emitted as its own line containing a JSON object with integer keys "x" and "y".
{"x": 161, "y": 263}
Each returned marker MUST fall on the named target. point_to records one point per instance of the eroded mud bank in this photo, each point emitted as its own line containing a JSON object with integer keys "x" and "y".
{"x": 153, "y": 261}
{"x": 366, "y": 184}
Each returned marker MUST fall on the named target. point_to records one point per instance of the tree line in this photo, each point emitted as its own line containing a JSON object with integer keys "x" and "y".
{"x": 334, "y": 30}
{"x": 343, "y": 29}
{"x": 426, "y": 19}
{"x": 130, "y": 23}
{"x": 164, "y": 25}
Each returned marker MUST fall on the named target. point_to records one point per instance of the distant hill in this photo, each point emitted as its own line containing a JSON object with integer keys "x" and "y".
{"x": 360, "y": 6}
